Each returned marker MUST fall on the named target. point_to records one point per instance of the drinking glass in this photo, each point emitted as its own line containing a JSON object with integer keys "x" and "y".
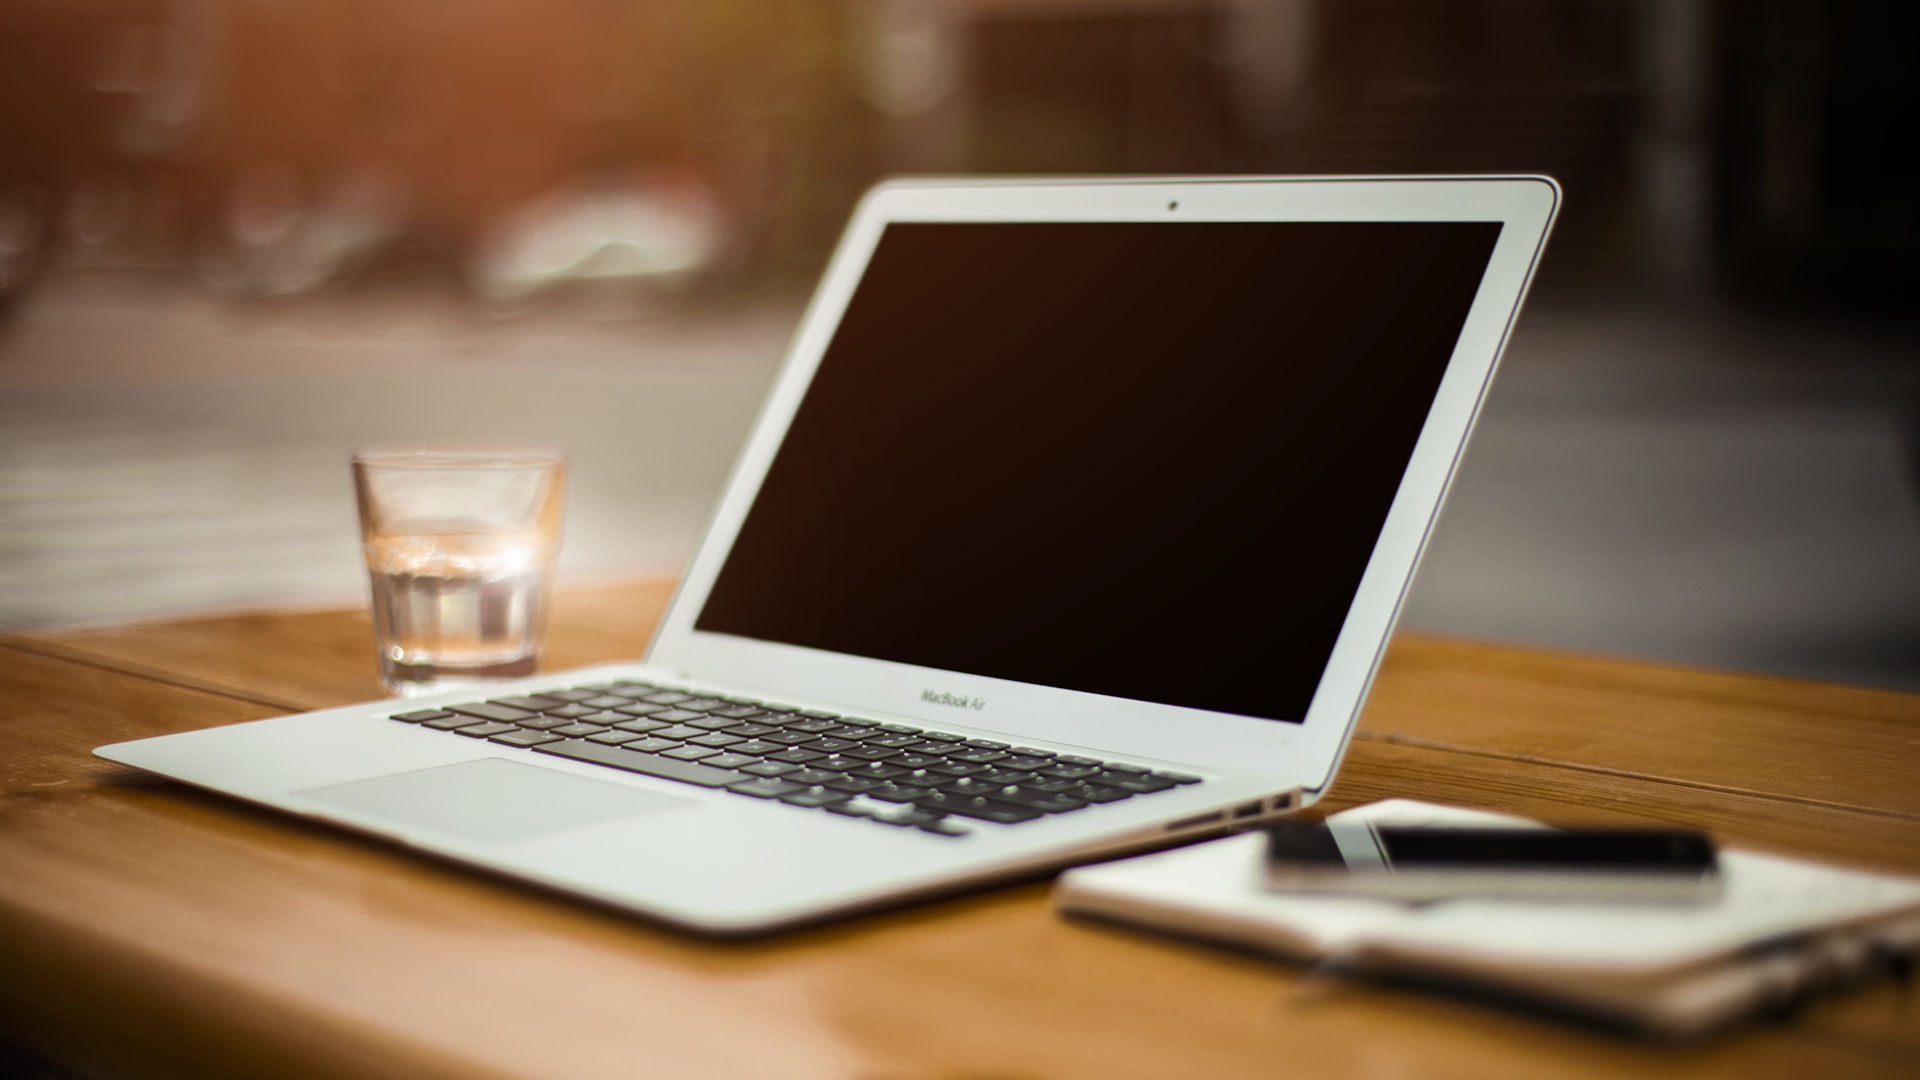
{"x": 460, "y": 540}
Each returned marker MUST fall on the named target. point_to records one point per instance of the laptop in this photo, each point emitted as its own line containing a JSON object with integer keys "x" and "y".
{"x": 1076, "y": 521}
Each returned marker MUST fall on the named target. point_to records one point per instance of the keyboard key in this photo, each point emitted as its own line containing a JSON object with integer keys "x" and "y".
{"x": 572, "y": 711}
{"x": 966, "y": 785}
{"x": 605, "y": 701}
{"x": 869, "y": 752}
{"x": 420, "y": 715}
{"x": 853, "y": 785}
{"x": 677, "y": 716}
{"x": 1051, "y": 784}
{"x": 530, "y": 704}
{"x": 1024, "y": 763}
{"x": 896, "y": 741}
{"x": 765, "y": 788}
{"x": 1069, "y": 772}
{"x": 757, "y": 747}
{"x": 451, "y": 721}
{"x": 769, "y": 768}
{"x": 830, "y": 745}
{"x": 1139, "y": 785}
{"x": 613, "y": 738}
{"x": 958, "y": 768}
{"x": 936, "y": 747}
{"x": 816, "y": 714}
{"x": 879, "y": 770}
{"x": 485, "y": 731}
{"x": 795, "y": 755}
{"x": 790, "y": 737}
{"x": 813, "y": 726}
{"x": 641, "y": 726}
{"x": 517, "y": 737}
{"x": 1075, "y": 759}
{"x": 1099, "y": 793}
{"x": 702, "y": 704}
{"x": 839, "y": 763}
{"x": 604, "y": 716}
{"x": 750, "y": 729}
{"x": 667, "y": 697}
{"x": 677, "y": 731}
{"x": 486, "y": 711}
{"x": 743, "y": 700}
{"x": 976, "y": 807}
{"x": 632, "y": 689}
{"x": 815, "y": 798}
{"x": 807, "y": 774}
{"x": 986, "y": 744}
{"x": 1039, "y": 800}
{"x": 738, "y": 711}
{"x": 569, "y": 695}
{"x": 1033, "y": 752}
{"x": 855, "y": 721}
{"x": 900, "y": 729}
{"x": 641, "y": 708}
{"x": 623, "y": 757}
{"x": 712, "y": 723}
{"x": 895, "y": 793}
{"x": 728, "y": 760}
{"x": 691, "y": 753}
{"x": 1176, "y": 777}
{"x": 943, "y": 827}
{"x": 846, "y": 809}
{"x": 1122, "y": 767}
{"x": 716, "y": 740}
{"x": 653, "y": 745}
{"x": 578, "y": 731}
{"x": 980, "y": 757}
{"x": 911, "y": 760}
{"x": 1000, "y": 774}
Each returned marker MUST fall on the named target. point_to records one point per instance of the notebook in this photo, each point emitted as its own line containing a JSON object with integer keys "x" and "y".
{"x": 1780, "y": 929}
{"x": 1077, "y": 518}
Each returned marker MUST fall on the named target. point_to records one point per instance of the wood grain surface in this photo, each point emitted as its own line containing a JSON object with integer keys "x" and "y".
{"x": 150, "y": 930}
{"x": 318, "y": 659}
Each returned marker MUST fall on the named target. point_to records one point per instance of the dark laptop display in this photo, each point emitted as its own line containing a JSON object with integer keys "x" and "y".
{"x": 1142, "y": 460}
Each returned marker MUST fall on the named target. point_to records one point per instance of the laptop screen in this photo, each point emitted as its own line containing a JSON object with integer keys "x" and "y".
{"x": 1147, "y": 460}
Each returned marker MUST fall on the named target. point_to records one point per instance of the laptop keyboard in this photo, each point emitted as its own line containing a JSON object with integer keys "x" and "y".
{"x": 893, "y": 774}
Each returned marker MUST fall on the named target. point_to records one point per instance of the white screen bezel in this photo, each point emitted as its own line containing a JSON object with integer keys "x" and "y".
{"x": 1295, "y": 753}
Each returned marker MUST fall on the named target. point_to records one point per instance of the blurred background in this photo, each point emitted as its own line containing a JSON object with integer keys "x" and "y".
{"x": 239, "y": 237}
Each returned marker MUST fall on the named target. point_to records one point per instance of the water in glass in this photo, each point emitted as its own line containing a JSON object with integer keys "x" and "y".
{"x": 457, "y": 607}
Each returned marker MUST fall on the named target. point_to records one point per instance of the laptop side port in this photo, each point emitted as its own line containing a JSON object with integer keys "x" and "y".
{"x": 1245, "y": 816}
{"x": 1261, "y": 811}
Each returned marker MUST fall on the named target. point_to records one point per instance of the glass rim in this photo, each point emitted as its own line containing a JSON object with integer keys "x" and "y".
{"x": 459, "y": 454}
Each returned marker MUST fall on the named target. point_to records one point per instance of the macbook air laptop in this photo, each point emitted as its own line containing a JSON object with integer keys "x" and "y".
{"x": 1076, "y": 521}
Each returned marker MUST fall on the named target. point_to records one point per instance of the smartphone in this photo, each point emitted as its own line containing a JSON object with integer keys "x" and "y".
{"x": 1423, "y": 863}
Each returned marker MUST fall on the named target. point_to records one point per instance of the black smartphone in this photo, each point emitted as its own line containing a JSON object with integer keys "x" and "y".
{"x": 1420, "y": 863}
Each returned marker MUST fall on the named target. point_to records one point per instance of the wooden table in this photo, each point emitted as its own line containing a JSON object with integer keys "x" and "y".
{"x": 147, "y": 929}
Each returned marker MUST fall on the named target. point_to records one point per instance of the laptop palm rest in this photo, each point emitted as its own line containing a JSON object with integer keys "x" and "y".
{"x": 490, "y": 801}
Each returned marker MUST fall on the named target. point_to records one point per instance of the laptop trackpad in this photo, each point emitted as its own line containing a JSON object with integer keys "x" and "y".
{"x": 491, "y": 800}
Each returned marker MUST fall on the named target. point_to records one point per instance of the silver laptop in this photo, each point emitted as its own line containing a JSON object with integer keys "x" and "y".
{"x": 1076, "y": 521}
